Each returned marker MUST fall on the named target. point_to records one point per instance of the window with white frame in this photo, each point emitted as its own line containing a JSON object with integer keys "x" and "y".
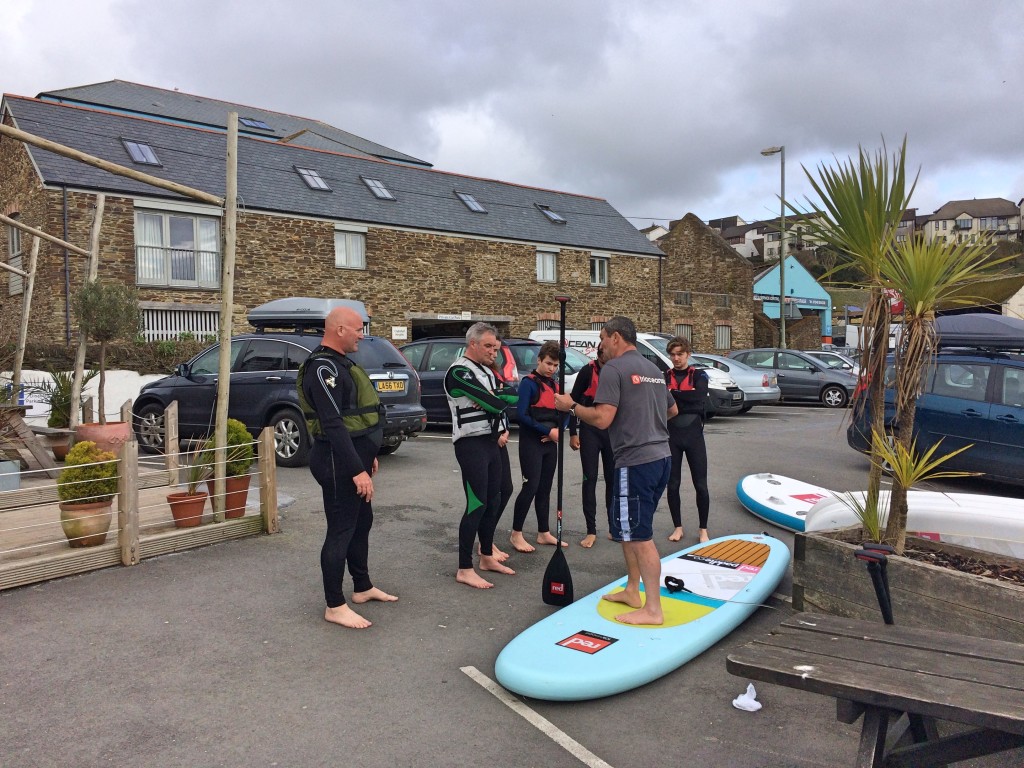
{"x": 599, "y": 269}
{"x": 15, "y": 284}
{"x": 723, "y": 337}
{"x": 547, "y": 267}
{"x": 686, "y": 331}
{"x": 349, "y": 250}
{"x": 177, "y": 250}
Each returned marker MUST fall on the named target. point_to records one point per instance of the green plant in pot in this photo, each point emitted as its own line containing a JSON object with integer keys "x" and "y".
{"x": 187, "y": 506}
{"x": 55, "y": 392}
{"x": 239, "y": 456}
{"x": 106, "y": 312}
{"x": 86, "y": 487}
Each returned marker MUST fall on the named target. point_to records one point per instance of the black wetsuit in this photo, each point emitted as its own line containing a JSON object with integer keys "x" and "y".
{"x": 538, "y": 458}
{"x": 686, "y": 438}
{"x": 594, "y": 445}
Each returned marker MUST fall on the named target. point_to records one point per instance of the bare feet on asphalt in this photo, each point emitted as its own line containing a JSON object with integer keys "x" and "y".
{"x": 373, "y": 594}
{"x": 704, "y": 535}
{"x": 520, "y": 544}
{"x": 547, "y": 538}
{"x": 494, "y": 564}
{"x": 471, "y": 578}
{"x": 676, "y": 535}
{"x": 346, "y": 617}
{"x": 588, "y": 541}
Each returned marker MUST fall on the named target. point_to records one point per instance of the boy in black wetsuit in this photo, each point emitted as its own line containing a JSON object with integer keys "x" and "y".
{"x": 689, "y": 388}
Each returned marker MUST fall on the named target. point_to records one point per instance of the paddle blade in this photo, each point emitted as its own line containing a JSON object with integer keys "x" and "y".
{"x": 557, "y": 587}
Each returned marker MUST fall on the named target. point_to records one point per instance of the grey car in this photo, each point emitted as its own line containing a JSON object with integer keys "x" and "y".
{"x": 801, "y": 376}
{"x": 759, "y": 387}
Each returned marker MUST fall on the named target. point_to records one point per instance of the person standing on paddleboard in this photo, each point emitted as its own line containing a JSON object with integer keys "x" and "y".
{"x": 538, "y": 441}
{"x": 689, "y": 387}
{"x": 593, "y": 444}
{"x": 478, "y": 406}
{"x": 634, "y": 405}
{"x": 343, "y": 416}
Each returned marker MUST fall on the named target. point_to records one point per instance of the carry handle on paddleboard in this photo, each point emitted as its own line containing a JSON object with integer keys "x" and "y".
{"x": 877, "y": 561}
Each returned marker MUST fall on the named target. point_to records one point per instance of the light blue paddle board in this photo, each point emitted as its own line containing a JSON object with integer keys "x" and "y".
{"x": 581, "y": 651}
{"x": 780, "y": 500}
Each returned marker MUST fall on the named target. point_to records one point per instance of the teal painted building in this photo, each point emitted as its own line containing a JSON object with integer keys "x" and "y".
{"x": 804, "y": 295}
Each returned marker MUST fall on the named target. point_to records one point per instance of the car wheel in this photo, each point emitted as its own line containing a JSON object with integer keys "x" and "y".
{"x": 149, "y": 428}
{"x": 387, "y": 450}
{"x": 834, "y": 397}
{"x": 291, "y": 441}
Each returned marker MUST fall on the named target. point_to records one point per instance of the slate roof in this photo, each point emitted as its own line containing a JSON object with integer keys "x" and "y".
{"x": 204, "y": 112}
{"x": 267, "y": 181}
{"x": 986, "y": 206}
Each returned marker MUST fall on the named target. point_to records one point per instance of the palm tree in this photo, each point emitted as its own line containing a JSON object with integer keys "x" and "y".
{"x": 862, "y": 204}
{"x": 926, "y": 275}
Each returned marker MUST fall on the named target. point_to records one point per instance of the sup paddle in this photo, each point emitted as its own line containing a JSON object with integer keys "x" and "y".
{"x": 557, "y": 587}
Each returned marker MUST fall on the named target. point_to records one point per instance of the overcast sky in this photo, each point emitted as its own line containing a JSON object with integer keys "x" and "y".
{"x": 660, "y": 106}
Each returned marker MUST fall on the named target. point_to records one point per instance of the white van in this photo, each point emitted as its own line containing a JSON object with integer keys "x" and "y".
{"x": 724, "y": 397}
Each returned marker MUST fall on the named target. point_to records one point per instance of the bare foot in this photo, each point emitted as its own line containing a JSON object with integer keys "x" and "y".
{"x": 609, "y": 535}
{"x": 676, "y": 535}
{"x": 496, "y": 553}
{"x": 519, "y": 543}
{"x": 589, "y": 540}
{"x": 494, "y": 564}
{"x": 472, "y": 578}
{"x": 373, "y": 594}
{"x": 631, "y": 599}
{"x": 547, "y": 538}
{"x": 642, "y": 616}
{"x": 346, "y": 617}
{"x": 704, "y": 535}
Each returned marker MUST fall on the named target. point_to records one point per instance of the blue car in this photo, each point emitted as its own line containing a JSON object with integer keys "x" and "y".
{"x": 971, "y": 398}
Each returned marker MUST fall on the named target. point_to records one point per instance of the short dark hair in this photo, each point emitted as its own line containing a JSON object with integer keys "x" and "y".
{"x": 679, "y": 341}
{"x": 550, "y": 349}
{"x": 622, "y": 326}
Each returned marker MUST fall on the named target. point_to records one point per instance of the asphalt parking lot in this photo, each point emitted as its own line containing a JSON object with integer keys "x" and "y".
{"x": 220, "y": 656}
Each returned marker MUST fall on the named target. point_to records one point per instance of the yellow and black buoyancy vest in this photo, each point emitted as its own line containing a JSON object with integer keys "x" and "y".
{"x": 362, "y": 418}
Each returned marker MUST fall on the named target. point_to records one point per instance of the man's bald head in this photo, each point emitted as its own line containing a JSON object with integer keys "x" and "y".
{"x": 342, "y": 330}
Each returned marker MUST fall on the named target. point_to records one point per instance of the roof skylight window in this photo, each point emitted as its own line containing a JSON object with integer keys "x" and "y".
{"x": 252, "y": 122}
{"x": 553, "y": 217}
{"x": 471, "y": 202}
{"x": 377, "y": 187}
{"x": 313, "y": 179}
{"x": 140, "y": 152}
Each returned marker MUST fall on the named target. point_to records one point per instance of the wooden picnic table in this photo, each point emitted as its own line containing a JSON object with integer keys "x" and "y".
{"x": 22, "y": 438}
{"x": 901, "y": 680}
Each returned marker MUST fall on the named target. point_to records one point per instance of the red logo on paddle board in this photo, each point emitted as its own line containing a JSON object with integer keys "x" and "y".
{"x": 809, "y": 498}
{"x": 588, "y": 642}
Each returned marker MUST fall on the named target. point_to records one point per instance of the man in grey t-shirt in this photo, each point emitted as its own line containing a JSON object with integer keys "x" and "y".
{"x": 634, "y": 405}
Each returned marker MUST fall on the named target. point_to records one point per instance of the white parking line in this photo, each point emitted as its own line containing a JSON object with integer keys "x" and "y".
{"x": 567, "y": 743}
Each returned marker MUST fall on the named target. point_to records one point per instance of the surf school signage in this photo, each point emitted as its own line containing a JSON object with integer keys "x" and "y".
{"x": 587, "y": 642}
{"x": 769, "y": 298}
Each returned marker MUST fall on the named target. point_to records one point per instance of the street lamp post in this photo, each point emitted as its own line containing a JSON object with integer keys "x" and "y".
{"x": 781, "y": 151}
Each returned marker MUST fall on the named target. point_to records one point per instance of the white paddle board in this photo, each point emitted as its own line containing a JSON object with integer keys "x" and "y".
{"x": 581, "y": 651}
{"x": 780, "y": 500}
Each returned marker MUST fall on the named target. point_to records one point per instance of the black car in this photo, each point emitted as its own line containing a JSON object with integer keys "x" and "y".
{"x": 264, "y": 367}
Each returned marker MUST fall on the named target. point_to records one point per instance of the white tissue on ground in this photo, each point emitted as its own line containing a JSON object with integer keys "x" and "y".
{"x": 747, "y": 701}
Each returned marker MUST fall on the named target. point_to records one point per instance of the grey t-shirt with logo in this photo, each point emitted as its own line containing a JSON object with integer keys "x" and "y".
{"x": 636, "y": 387}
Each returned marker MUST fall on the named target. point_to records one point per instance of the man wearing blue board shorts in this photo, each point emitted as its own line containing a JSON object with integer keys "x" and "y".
{"x": 634, "y": 405}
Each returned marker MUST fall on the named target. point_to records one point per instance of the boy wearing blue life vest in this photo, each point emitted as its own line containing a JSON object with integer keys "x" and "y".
{"x": 538, "y": 440}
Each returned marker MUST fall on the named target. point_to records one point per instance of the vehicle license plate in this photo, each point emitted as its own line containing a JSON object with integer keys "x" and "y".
{"x": 390, "y": 385}
{"x": 737, "y": 395}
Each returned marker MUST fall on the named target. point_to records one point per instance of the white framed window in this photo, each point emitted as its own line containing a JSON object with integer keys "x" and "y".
{"x": 376, "y": 186}
{"x": 140, "y": 152}
{"x": 313, "y": 179}
{"x": 723, "y": 337}
{"x": 470, "y": 202}
{"x": 349, "y": 250}
{"x": 599, "y": 270}
{"x": 15, "y": 282}
{"x": 547, "y": 267}
{"x": 686, "y": 331}
{"x": 552, "y": 216}
{"x": 177, "y": 250}
{"x": 252, "y": 122}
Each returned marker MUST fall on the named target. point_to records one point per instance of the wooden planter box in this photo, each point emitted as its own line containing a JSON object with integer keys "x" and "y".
{"x": 827, "y": 578}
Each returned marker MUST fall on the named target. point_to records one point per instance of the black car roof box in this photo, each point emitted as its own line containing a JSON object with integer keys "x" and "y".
{"x": 981, "y": 330}
{"x": 302, "y": 313}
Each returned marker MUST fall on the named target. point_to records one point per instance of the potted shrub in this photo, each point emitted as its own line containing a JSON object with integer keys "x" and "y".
{"x": 187, "y": 506}
{"x": 239, "y": 458}
{"x": 106, "y": 312}
{"x": 55, "y": 393}
{"x": 86, "y": 487}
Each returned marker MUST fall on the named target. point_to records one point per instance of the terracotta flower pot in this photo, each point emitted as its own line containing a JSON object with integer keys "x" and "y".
{"x": 108, "y": 437}
{"x": 236, "y": 492}
{"x": 86, "y": 525}
{"x": 187, "y": 508}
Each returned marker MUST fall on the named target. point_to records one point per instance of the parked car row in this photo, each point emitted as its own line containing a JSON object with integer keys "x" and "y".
{"x": 802, "y": 376}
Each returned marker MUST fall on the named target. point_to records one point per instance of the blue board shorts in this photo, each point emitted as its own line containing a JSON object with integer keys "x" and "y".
{"x": 637, "y": 493}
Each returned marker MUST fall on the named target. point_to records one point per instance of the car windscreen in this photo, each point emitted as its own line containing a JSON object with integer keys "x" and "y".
{"x": 377, "y": 353}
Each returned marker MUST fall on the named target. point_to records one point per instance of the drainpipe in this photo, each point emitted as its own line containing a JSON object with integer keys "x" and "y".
{"x": 67, "y": 272}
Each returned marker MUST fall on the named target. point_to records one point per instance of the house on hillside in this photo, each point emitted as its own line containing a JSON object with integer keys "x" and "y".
{"x": 321, "y": 213}
{"x": 964, "y": 221}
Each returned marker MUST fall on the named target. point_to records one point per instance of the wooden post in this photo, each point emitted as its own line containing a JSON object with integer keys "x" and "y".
{"x": 227, "y": 288}
{"x": 267, "y": 463}
{"x": 19, "y": 355}
{"x": 42, "y": 235}
{"x": 128, "y": 504}
{"x": 94, "y": 260}
{"x": 172, "y": 449}
{"x": 87, "y": 406}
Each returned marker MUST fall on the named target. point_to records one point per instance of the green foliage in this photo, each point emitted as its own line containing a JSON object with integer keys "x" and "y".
{"x": 239, "y": 452}
{"x": 910, "y": 467}
{"x": 56, "y": 393}
{"x": 108, "y": 311}
{"x": 89, "y": 475}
